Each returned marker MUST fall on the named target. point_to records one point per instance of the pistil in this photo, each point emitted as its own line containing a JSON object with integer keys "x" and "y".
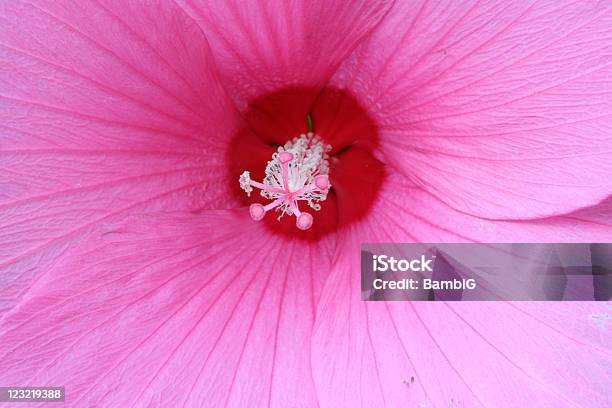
{"x": 297, "y": 172}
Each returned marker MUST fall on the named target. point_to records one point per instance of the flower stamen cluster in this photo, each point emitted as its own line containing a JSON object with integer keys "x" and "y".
{"x": 297, "y": 172}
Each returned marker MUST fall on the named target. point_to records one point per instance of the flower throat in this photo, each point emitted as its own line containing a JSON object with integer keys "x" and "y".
{"x": 355, "y": 175}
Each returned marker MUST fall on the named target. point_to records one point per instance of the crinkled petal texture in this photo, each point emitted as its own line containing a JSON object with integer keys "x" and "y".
{"x": 261, "y": 46}
{"x": 168, "y": 311}
{"x": 472, "y": 354}
{"x": 106, "y": 108}
{"x": 500, "y": 109}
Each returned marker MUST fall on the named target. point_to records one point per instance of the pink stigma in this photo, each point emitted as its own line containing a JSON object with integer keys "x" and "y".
{"x": 257, "y": 211}
{"x": 297, "y": 172}
{"x": 304, "y": 221}
{"x": 285, "y": 157}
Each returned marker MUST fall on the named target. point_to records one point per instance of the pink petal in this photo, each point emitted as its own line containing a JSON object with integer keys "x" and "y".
{"x": 409, "y": 213}
{"x": 207, "y": 310}
{"x": 263, "y": 46}
{"x": 456, "y": 354}
{"x": 105, "y": 108}
{"x": 468, "y": 354}
{"x": 500, "y": 109}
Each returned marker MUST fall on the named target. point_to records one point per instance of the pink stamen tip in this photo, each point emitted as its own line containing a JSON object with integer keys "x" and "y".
{"x": 285, "y": 157}
{"x": 304, "y": 221}
{"x": 322, "y": 182}
{"x": 257, "y": 211}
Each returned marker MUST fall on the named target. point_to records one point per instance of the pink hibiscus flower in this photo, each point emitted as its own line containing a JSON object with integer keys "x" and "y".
{"x": 133, "y": 274}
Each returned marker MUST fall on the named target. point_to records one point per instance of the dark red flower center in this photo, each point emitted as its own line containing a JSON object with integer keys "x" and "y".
{"x": 355, "y": 174}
